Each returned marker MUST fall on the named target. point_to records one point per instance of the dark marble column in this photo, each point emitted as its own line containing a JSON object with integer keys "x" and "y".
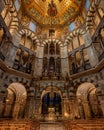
{"x": 30, "y": 107}
{"x": 93, "y": 58}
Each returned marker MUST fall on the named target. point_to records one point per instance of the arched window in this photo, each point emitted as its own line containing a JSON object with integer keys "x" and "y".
{"x": 71, "y": 26}
{"x": 17, "y": 5}
{"x": 15, "y": 92}
{"x": 32, "y": 26}
{"x": 87, "y": 4}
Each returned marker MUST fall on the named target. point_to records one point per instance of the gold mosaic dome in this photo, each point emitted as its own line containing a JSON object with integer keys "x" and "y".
{"x": 57, "y": 12}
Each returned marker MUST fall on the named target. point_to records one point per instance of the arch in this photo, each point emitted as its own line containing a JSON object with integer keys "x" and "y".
{"x": 89, "y": 22}
{"x": 16, "y": 100}
{"x": 88, "y": 101}
{"x": 51, "y": 102}
{"x": 52, "y": 110}
{"x": 56, "y": 41}
{"x": 48, "y": 89}
{"x": 17, "y": 88}
{"x": 84, "y": 89}
{"x": 52, "y": 51}
{"x": 30, "y": 34}
{"x": 14, "y": 24}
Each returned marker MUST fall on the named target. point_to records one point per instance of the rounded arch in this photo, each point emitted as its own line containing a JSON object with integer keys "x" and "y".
{"x": 56, "y": 41}
{"x": 48, "y": 89}
{"x": 88, "y": 101}
{"x": 51, "y": 102}
{"x": 15, "y": 101}
{"x": 88, "y": 22}
{"x": 54, "y": 102}
{"x": 30, "y": 34}
{"x": 18, "y": 88}
{"x": 84, "y": 89}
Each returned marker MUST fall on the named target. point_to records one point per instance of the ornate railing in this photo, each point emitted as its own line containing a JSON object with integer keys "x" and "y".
{"x": 86, "y": 64}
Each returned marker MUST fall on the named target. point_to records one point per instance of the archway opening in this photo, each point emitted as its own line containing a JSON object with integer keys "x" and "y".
{"x": 15, "y": 101}
{"x": 88, "y": 102}
{"x": 51, "y": 102}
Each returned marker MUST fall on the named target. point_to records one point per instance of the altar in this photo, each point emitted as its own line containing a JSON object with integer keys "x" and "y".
{"x": 51, "y": 107}
{"x": 51, "y": 115}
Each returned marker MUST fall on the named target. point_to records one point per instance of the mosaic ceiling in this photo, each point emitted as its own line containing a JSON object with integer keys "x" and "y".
{"x": 55, "y": 12}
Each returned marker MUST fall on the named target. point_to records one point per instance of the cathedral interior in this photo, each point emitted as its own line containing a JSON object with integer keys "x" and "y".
{"x": 51, "y": 64}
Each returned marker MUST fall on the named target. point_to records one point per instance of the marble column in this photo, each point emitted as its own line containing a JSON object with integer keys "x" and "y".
{"x": 86, "y": 109}
{"x": 82, "y": 59}
{"x": 30, "y": 106}
{"x": 2, "y": 5}
{"x": 101, "y": 102}
{"x": 102, "y": 106}
{"x": 4, "y": 37}
{"x": 64, "y": 60}
{"x": 38, "y": 61}
{"x": 62, "y": 104}
{"x": 16, "y": 109}
{"x": 12, "y": 50}
{"x": 90, "y": 50}
{"x": 2, "y": 104}
{"x": 11, "y": 54}
{"x": 67, "y": 105}
{"x": 81, "y": 111}
{"x": 74, "y": 113}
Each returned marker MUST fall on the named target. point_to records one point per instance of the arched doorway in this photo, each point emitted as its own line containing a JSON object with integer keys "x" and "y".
{"x": 51, "y": 104}
{"x": 15, "y": 101}
{"x": 88, "y": 103}
{"x": 51, "y": 101}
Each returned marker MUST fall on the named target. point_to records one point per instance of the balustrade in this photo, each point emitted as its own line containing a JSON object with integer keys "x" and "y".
{"x": 85, "y": 64}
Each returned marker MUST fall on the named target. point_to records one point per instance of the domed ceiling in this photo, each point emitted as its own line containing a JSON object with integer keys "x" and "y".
{"x": 57, "y": 12}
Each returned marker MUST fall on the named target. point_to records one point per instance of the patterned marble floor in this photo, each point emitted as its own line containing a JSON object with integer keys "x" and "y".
{"x": 50, "y": 126}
